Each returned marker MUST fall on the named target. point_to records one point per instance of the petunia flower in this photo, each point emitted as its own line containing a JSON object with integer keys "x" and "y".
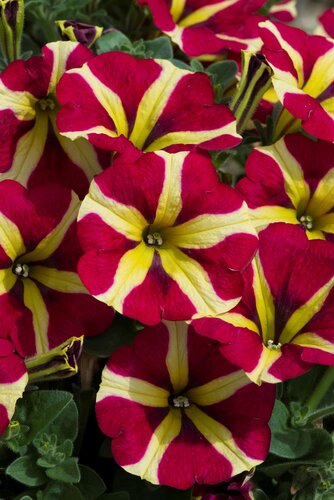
{"x": 326, "y": 23}
{"x": 31, "y": 149}
{"x": 133, "y": 104}
{"x": 13, "y": 380}
{"x": 303, "y": 79}
{"x": 164, "y": 239}
{"x": 292, "y": 181}
{"x": 208, "y": 29}
{"x": 194, "y": 416}
{"x": 42, "y": 300}
{"x": 285, "y": 321}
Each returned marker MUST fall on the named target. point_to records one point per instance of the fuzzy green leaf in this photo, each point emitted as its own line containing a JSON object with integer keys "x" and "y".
{"x": 26, "y": 471}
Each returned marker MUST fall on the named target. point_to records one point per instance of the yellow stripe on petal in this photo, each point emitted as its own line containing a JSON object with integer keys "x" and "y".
{"x": 221, "y": 439}
{"x": 208, "y": 230}
{"x": 295, "y": 186}
{"x": 176, "y": 9}
{"x": 21, "y": 103}
{"x": 51, "y": 242}
{"x": 315, "y": 235}
{"x": 33, "y": 300}
{"x": 238, "y": 320}
{"x": 84, "y": 134}
{"x": 294, "y": 55}
{"x": 305, "y": 313}
{"x": 322, "y": 75}
{"x": 260, "y": 373}
{"x": 170, "y": 200}
{"x": 326, "y": 223}
{"x": 29, "y": 150}
{"x": 264, "y": 301}
{"x": 148, "y": 466}
{"x": 79, "y": 151}
{"x": 108, "y": 99}
{"x": 10, "y": 238}
{"x": 322, "y": 200}
{"x": 131, "y": 272}
{"x": 7, "y": 280}
{"x": 328, "y": 105}
{"x": 314, "y": 341}
{"x": 177, "y": 356}
{"x": 154, "y": 101}
{"x": 194, "y": 282}
{"x": 61, "y": 281}
{"x": 204, "y": 13}
{"x": 218, "y": 389}
{"x": 61, "y": 52}
{"x": 192, "y": 137}
{"x": 261, "y": 217}
{"x": 124, "y": 219}
{"x": 133, "y": 389}
{"x": 11, "y": 392}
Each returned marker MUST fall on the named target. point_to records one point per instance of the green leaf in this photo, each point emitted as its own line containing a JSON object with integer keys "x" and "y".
{"x": 68, "y": 471}
{"x": 197, "y": 66}
{"x": 62, "y": 491}
{"x": 90, "y": 485}
{"x": 26, "y": 471}
{"x": 65, "y": 426}
{"x": 223, "y": 73}
{"x": 160, "y": 48}
{"x": 121, "y": 332}
{"x": 287, "y": 442}
{"x": 114, "y": 40}
{"x": 320, "y": 451}
{"x": 40, "y": 409}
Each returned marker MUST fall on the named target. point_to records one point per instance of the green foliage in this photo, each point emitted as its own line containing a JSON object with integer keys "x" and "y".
{"x": 114, "y": 40}
{"x": 121, "y": 332}
{"x": 43, "y": 430}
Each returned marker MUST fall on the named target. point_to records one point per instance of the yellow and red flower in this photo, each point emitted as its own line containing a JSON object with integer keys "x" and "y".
{"x": 284, "y": 323}
{"x": 129, "y": 104}
{"x": 292, "y": 181}
{"x": 303, "y": 79}
{"x": 179, "y": 413}
{"x": 42, "y": 300}
{"x": 209, "y": 28}
{"x": 164, "y": 239}
{"x": 31, "y": 149}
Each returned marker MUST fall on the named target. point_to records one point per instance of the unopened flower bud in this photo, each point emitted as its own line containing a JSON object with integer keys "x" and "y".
{"x": 86, "y": 34}
{"x": 11, "y": 26}
{"x": 60, "y": 362}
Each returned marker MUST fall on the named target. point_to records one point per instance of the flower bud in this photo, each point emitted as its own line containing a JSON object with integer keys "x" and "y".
{"x": 11, "y": 26}
{"x": 86, "y": 34}
{"x": 60, "y": 362}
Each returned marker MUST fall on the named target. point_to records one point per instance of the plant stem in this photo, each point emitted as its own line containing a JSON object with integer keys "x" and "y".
{"x": 321, "y": 389}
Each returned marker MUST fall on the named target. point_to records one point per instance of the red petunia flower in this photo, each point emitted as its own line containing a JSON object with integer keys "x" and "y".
{"x": 292, "y": 181}
{"x": 194, "y": 416}
{"x": 129, "y": 104}
{"x": 207, "y": 29}
{"x": 284, "y": 323}
{"x": 42, "y": 300}
{"x": 303, "y": 78}
{"x": 31, "y": 149}
{"x": 164, "y": 239}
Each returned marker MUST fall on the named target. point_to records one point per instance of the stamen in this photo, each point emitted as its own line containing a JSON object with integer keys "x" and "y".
{"x": 307, "y": 222}
{"x": 181, "y": 402}
{"x": 47, "y": 103}
{"x": 154, "y": 239}
{"x": 21, "y": 270}
{"x": 274, "y": 347}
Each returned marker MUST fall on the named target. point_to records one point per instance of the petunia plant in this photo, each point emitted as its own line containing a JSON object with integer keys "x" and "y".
{"x": 166, "y": 250}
